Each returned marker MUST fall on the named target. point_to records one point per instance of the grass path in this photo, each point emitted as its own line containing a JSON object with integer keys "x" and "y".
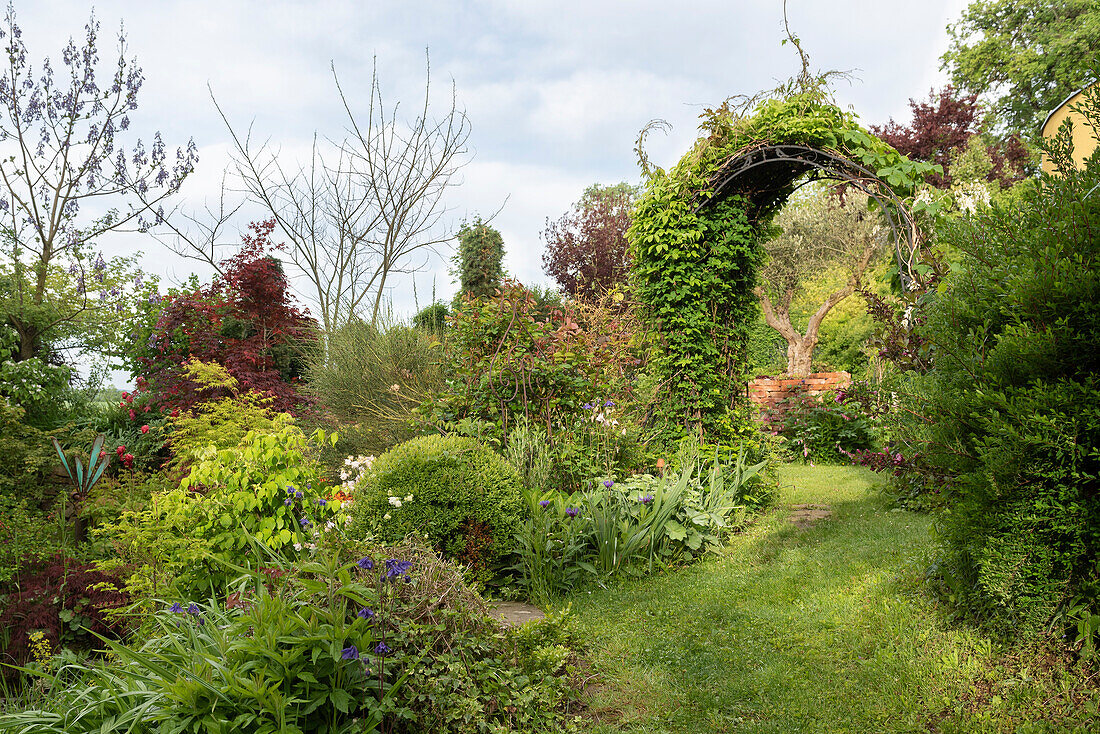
{"x": 817, "y": 630}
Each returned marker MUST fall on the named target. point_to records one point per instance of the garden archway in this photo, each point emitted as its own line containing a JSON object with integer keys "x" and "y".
{"x": 699, "y": 230}
{"x": 766, "y": 176}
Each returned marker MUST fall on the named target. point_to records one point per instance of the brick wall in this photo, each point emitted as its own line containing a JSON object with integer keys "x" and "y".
{"x": 767, "y": 392}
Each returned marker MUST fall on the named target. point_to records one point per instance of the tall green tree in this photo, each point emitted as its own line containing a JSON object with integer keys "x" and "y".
{"x": 479, "y": 262}
{"x": 1024, "y": 56}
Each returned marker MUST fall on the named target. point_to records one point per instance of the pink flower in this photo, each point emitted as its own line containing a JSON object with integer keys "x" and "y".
{"x": 128, "y": 461}
{"x": 103, "y": 454}
{"x": 145, "y": 429}
{"x": 132, "y": 414}
{"x": 120, "y": 451}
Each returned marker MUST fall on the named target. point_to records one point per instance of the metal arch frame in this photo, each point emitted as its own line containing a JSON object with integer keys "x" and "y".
{"x": 800, "y": 159}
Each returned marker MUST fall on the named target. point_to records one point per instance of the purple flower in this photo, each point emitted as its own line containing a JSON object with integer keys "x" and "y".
{"x": 572, "y": 511}
{"x": 290, "y": 489}
{"x": 305, "y": 523}
{"x": 288, "y": 502}
{"x": 366, "y": 613}
{"x": 588, "y": 406}
{"x": 365, "y": 563}
{"x": 646, "y": 499}
{"x": 544, "y": 504}
{"x": 608, "y": 483}
{"x": 382, "y": 649}
{"x": 193, "y": 609}
{"x": 395, "y": 568}
{"x": 322, "y": 503}
{"x": 298, "y": 494}
{"x": 609, "y": 404}
{"x": 176, "y": 608}
{"x": 351, "y": 652}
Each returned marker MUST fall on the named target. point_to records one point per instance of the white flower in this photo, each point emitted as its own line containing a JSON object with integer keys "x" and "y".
{"x": 297, "y": 546}
{"x": 386, "y": 516}
{"x": 395, "y": 501}
{"x": 343, "y": 476}
{"x": 408, "y": 498}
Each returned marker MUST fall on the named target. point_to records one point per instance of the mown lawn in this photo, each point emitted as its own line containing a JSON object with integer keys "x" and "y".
{"x": 826, "y": 629}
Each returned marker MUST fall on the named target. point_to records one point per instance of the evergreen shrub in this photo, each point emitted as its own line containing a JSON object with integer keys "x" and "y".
{"x": 1011, "y": 407}
{"x": 462, "y": 495}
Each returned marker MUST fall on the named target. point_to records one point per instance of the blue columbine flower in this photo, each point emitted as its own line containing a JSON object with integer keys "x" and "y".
{"x": 298, "y": 494}
{"x": 366, "y": 613}
{"x": 351, "y": 652}
{"x": 382, "y": 649}
{"x": 395, "y": 568}
{"x": 176, "y": 608}
{"x": 288, "y": 502}
{"x": 322, "y": 503}
{"x": 609, "y": 404}
{"x": 305, "y": 523}
{"x": 365, "y": 563}
{"x": 588, "y": 406}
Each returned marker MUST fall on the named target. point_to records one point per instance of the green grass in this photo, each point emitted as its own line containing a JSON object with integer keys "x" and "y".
{"x": 826, "y": 629}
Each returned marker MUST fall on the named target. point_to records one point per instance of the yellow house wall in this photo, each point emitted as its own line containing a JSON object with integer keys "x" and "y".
{"x": 1083, "y": 141}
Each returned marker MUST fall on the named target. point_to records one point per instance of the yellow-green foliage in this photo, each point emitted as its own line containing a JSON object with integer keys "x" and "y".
{"x": 266, "y": 490}
{"x": 466, "y": 498}
{"x": 222, "y": 423}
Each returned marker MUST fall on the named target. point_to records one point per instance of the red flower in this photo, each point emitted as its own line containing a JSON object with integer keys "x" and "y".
{"x": 128, "y": 461}
{"x": 145, "y": 429}
{"x": 120, "y": 451}
{"x": 132, "y": 414}
{"x": 103, "y": 454}
{"x": 175, "y": 412}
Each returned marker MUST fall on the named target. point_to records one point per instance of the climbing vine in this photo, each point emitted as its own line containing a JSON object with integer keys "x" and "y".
{"x": 695, "y": 267}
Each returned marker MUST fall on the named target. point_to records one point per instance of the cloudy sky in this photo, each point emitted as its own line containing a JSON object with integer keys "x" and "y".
{"x": 555, "y": 91}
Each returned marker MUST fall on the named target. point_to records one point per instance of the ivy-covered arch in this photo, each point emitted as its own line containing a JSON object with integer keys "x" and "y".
{"x": 699, "y": 229}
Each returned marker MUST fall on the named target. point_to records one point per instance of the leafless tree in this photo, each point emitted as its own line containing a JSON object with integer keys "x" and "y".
{"x": 361, "y": 210}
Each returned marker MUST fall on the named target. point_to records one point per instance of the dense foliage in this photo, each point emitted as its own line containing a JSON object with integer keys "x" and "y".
{"x": 479, "y": 261}
{"x": 941, "y": 129}
{"x": 1024, "y": 56}
{"x": 695, "y": 270}
{"x": 244, "y": 320}
{"x": 587, "y": 252}
{"x": 1008, "y": 409}
{"x": 459, "y": 495}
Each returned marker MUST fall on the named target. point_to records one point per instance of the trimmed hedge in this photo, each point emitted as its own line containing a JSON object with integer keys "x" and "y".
{"x": 464, "y": 497}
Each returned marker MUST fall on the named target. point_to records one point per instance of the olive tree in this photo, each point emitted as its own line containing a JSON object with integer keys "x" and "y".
{"x": 821, "y": 233}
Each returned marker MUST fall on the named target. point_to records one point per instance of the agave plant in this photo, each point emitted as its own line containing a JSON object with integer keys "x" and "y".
{"x": 84, "y": 478}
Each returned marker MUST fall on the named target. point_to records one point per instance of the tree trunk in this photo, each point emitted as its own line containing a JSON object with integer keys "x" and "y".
{"x": 800, "y": 347}
{"x": 800, "y": 355}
